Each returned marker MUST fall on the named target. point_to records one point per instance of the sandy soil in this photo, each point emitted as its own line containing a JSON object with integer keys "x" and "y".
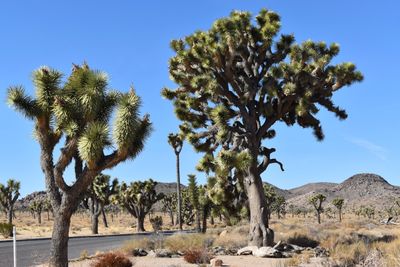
{"x": 231, "y": 261}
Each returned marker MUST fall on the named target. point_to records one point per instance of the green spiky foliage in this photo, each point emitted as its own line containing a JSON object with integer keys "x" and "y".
{"x": 47, "y": 207}
{"x": 9, "y": 194}
{"x": 338, "y": 203}
{"x": 169, "y": 203}
{"x": 138, "y": 198}
{"x": 270, "y": 196}
{"x": 193, "y": 192}
{"x": 98, "y": 196}
{"x": 316, "y": 201}
{"x": 37, "y": 206}
{"x": 75, "y": 114}
{"x": 188, "y": 211}
{"x": 237, "y": 80}
{"x": 176, "y": 142}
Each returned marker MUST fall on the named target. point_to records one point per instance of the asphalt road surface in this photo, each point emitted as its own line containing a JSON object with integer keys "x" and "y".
{"x": 34, "y": 252}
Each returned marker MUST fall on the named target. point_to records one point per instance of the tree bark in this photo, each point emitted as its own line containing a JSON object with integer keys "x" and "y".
{"x": 140, "y": 223}
{"x": 39, "y": 215}
{"x": 205, "y": 214}
{"x": 212, "y": 220}
{"x": 104, "y": 218}
{"x": 340, "y": 215}
{"x": 95, "y": 224}
{"x": 319, "y": 217}
{"x": 178, "y": 191}
{"x": 60, "y": 236}
{"x": 171, "y": 215}
{"x": 198, "y": 223}
{"x": 260, "y": 234}
{"x": 10, "y": 215}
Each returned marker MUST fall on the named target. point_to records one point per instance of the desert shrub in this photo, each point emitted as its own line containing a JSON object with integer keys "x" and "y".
{"x": 151, "y": 243}
{"x": 184, "y": 242}
{"x": 197, "y": 256}
{"x": 156, "y": 223}
{"x": 302, "y": 240}
{"x": 6, "y": 229}
{"x": 350, "y": 255}
{"x": 231, "y": 240}
{"x": 112, "y": 259}
{"x": 84, "y": 255}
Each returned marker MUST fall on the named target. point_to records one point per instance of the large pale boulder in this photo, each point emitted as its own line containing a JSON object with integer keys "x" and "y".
{"x": 267, "y": 252}
{"x": 247, "y": 250}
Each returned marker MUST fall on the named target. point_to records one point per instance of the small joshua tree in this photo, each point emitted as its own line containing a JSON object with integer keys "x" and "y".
{"x": 193, "y": 191}
{"x": 37, "y": 206}
{"x": 338, "y": 203}
{"x": 98, "y": 196}
{"x": 316, "y": 201}
{"x": 138, "y": 198}
{"x": 176, "y": 142}
{"x": 270, "y": 196}
{"x": 9, "y": 194}
{"x": 279, "y": 206}
{"x": 169, "y": 205}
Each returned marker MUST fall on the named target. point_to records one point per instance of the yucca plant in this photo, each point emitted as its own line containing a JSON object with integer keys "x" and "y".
{"x": 75, "y": 114}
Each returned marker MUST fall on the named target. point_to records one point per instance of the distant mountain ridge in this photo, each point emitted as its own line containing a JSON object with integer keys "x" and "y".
{"x": 359, "y": 189}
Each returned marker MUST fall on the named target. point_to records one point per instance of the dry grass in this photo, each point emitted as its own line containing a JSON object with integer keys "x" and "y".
{"x": 184, "y": 242}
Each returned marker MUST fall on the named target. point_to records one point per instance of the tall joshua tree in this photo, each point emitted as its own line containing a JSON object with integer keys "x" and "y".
{"x": 338, "y": 203}
{"x": 236, "y": 81}
{"x": 77, "y": 114}
{"x": 176, "y": 142}
{"x": 9, "y": 194}
{"x": 138, "y": 199}
{"x": 316, "y": 201}
{"x": 98, "y": 196}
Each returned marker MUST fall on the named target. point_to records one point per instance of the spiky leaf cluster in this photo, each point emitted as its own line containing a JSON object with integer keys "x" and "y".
{"x": 240, "y": 77}
{"x": 79, "y": 109}
{"x": 169, "y": 202}
{"x": 316, "y": 201}
{"x": 338, "y": 203}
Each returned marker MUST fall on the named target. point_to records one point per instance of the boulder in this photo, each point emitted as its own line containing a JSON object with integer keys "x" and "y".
{"x": 247, "y": 250}
{"x": 267, "y": 252}
{"x": 139, "y": 252}
{"x": 216, "y": 262}
{"x": 163, "y": 253}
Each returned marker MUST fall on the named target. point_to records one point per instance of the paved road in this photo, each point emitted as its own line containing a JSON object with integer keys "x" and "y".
{"x": 34, "y": 252}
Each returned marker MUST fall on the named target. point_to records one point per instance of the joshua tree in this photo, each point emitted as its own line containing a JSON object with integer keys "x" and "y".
{"x": 137, "y": 199}
{"x": 270, "y": 198}
{"x": 316, "y": 201}
{"x": 279, "y": 206}
{"x": 205, "y": 205}
{"x": 37, "y": 207}
{"x": 9, "y": 194}
{"x": 176, "y": 141}
{"x": 98, "y": 195}
{"x": 236, "y": 80}
{"x": 47, "y": 207}
{"x": 169, "y": 205}
{"x": 78, "y": 113}
{"x": 193, "y": 191}
{"x": 338, "y": 203}
{"x": 188, "y": 211}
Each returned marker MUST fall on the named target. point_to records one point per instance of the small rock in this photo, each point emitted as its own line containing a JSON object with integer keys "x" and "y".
{"x": 151, "y": 253}
{"x": 163, "y": 253}
{"x": 321, "y": 252}
{"x": 247, "y": 250}
{"x": 139, "y": 252}
{"x": 267, "y": 252}
{"x": 216, "y": 262}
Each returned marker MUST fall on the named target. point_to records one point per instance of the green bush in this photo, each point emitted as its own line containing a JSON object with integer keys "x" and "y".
{"x": 6, "y": 229}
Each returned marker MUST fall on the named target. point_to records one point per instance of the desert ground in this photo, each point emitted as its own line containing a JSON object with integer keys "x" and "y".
{"x": 356, "y": 241}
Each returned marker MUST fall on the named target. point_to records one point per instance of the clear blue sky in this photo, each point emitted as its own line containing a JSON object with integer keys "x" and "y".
{"x": 130, "y": 41}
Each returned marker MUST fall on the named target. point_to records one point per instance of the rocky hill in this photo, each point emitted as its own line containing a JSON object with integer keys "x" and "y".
{"x": 360, "y": 189}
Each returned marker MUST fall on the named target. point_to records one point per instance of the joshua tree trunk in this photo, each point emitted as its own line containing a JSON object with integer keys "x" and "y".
{"x": 171, "y": 215}
{"x": 340, "y": 215}
{"x": 103, "y": 213}
{"x": 178, "y": 191}
{"x": 319, "y": 217}
{"x": 59, "y": 246}
{"x": 39, "y": 216}
{"x": 140, "y": 223}
{"x": 260, "y": 234}
{"x": 95, "y": 224}
{"x": 198, "y": 221}
{"x": 212, "y": 220}
{"x": 205, "y": 213}
{"x": 10, "y": 215}
{"x": 48, "y": 215}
